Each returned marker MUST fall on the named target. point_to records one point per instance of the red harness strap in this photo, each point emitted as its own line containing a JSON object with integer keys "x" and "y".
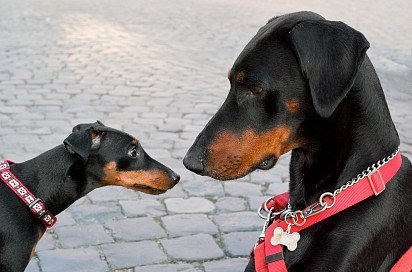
{"x": 36, "y": 205}
{"x": 270, "y": 255}
{"x": 404, "y": 264}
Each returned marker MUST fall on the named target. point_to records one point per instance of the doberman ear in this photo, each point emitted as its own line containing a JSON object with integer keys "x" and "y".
{"x": 329, "y": 54}
{"x": 81, "y": 142}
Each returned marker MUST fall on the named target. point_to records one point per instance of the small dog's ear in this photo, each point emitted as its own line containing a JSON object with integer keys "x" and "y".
{"x": 329, "y": 54}
{"x": 273, "y": 18}
{"x": 81, "y": 142}
{"x": 81, "y": 127}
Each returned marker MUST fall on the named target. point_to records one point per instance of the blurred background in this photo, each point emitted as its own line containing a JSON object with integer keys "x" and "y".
{"x": 157, "y": 69}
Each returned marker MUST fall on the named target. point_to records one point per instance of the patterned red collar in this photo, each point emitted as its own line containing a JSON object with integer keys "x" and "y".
{"x": 36, "y": 205}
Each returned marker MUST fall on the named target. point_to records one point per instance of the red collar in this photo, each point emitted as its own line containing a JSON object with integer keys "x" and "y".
{"x": 36, "y": 205}
{"x": 284, "y": 231}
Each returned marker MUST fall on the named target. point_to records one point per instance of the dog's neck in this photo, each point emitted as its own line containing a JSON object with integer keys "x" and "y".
{"x": 56, "y": 177}
{"x": 358, "y": 134}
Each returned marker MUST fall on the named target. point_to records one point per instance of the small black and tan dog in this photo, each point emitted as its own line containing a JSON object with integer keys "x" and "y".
{"x": 305, "y": 84}
{"x": 92, "y": 156}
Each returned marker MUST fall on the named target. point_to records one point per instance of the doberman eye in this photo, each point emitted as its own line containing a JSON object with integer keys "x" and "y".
{"x": 255, "y": 90}
{"x": 133, "y": 153}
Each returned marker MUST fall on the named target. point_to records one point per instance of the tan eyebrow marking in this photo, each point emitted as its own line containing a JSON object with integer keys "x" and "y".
{"x": 240, "y": 77}
{"x": 292, "y": 105}
{"x": 134, "y": 142}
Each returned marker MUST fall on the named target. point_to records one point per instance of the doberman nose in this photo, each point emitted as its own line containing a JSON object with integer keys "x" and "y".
{"x": 193, "y": 162}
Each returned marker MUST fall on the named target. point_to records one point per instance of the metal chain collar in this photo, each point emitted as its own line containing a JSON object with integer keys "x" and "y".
{"x": 298, "y": 217}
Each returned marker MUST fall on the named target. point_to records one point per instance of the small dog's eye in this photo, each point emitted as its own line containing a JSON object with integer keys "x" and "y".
{"x": 133, "y": 152}
{"x": 255, "y": 90}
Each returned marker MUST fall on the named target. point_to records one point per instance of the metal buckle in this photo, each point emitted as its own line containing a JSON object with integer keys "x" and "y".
{"x": 42, "y": 214}
{"x": 34, "y": 202}
{"x": 313, "y": 209}
{"x": 376, "y": 182}
{"x": 268, "y": 221}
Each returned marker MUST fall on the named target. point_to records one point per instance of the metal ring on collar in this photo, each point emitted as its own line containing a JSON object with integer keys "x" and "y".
{"x": 264, "y": 207}
{"x": 259, "y": 211}
{"x": 288, "y": 215}
{"x": 323, "y": 202}
{"x": 295, "y": 219}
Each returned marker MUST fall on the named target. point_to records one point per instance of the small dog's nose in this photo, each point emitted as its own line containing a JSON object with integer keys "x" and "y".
{"x": 193, "y": 164}
{"x": 175, "y": 177}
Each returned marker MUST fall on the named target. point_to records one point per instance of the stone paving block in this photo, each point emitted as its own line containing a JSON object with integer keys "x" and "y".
{"x": 203, "y": 188}
{"x": 175, "y": 164}
{"x": 13, "y": 109}
{"x": 185, "y": 175}
{"x": 166, "y": 268}
{"x": 192, "y": 248}
{"x": 187, "y": 224}
{"x": 135, "y": 229}
{"x": 189, "y": 205}
{"x": 240, "y": 243}
{"x": 32, "y": 266}
{"x": 230, "y": 204}
{"x": 74, "y": 236}
{"x": 256, "y": 201}
{"x": 15, "y": 139}
{"x": 124, "y": 255}
{"x": 81, "y": 259}
{"x": 188, "y": 135}
{"x": 46, "y": 242}
{"x": 175, "y": 192}
{"x": 236, "y": 188}
{"x": 239, "y": 221}
{"x": 171, "y": 127}
{"x": 180, "y": 153}
{"x": 277, "y": 188}
{"x": 270, "y": 176}
{"x": 112, "y": 193}
{"x": 226, "y": 265}
{"x": 158, "y": 153}
{"x": 142, "y": 207}
{"x": 65, "y": 219}
{"x": 93, "y": 213}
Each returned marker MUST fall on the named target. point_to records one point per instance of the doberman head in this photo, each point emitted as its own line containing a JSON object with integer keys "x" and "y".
{"x": 112, "y": 157}
{"x": 292, "y": 75}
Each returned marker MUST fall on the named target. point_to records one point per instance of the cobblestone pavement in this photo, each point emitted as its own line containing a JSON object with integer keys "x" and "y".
{"x": 157, "y": 69}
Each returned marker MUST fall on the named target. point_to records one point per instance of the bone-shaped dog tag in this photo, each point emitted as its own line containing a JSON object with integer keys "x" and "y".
{"x": 280, "y": 237}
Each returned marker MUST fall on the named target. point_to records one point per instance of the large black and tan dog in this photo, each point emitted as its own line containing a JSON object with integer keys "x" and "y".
{"x": 305, "y": 84}
{"x": 92, "y": 156}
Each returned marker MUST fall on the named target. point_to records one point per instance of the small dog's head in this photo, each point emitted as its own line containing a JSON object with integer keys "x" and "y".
{"x": 294, "y": 72}
{"x": 112, "y": 157}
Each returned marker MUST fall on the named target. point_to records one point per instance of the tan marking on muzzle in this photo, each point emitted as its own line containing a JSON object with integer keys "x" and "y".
{"x": 137, "y": 180}
{"x": 292, "y": 105}
{"x": 232, "y": 156}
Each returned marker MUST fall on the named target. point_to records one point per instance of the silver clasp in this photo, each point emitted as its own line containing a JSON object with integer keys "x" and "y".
{"x": 266, "y": 224}
{"x": 313, "y": 209}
